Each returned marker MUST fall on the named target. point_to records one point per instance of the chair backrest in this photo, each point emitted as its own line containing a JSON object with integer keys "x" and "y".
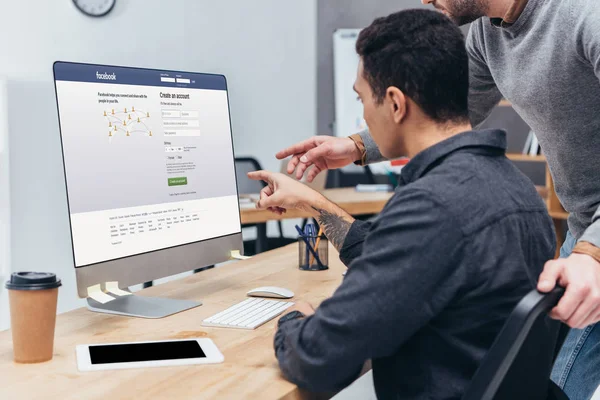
{"x": 370, "y": 177}
{"x": 519, "y": 363}
{"x": 246, "y": 186}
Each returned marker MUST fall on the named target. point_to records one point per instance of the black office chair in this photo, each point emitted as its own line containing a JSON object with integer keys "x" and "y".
{"x": 246, "y": 186}
{"x": 370, "y": 176}
{"x": 518, "y": 365}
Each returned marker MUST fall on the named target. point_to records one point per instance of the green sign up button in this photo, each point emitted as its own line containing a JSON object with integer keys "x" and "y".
{"x": 178, "y": 181}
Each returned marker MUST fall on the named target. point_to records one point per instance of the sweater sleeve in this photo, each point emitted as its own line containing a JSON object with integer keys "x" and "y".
{"x": 586, "y": 22}
{"x": 483, "y": 92}
{"x": 373, "y": 155}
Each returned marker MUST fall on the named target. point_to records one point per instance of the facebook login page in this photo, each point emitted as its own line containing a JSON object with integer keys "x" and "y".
{"x": 148, "y": 159}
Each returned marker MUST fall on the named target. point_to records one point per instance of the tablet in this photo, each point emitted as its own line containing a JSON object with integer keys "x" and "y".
{"x": 100, "y": 357}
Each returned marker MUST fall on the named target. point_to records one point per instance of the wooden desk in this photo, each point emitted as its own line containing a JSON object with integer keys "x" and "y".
{"x": 250, "y": 370}
{"x": 353, "y": 202}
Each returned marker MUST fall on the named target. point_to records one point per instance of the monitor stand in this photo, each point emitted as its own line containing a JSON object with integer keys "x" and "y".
{"x": 142, "y": 307}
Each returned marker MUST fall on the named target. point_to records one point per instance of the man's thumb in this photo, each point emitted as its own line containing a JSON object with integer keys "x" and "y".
{"x": 549, "y": 276}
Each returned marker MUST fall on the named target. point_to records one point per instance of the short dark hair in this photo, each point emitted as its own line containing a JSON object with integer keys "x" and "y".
{"x": 422, "y": 53}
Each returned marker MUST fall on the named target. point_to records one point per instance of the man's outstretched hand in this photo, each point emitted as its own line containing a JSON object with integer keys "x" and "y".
{"x": 283, "y": 193}
{"x": 580, "y": 275}
{"x": 321, "y": 152}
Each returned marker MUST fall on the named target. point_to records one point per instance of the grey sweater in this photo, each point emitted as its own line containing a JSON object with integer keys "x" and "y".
{"x": 548, "y": 65}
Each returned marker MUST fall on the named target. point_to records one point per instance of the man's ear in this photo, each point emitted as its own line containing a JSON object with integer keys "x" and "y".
{"x": 398, "y": 104}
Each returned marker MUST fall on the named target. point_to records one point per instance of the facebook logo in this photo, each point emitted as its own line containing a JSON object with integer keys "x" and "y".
{"x": 106, "y": 76}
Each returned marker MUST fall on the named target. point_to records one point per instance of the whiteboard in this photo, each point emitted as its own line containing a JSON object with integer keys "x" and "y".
{"x": 348, "y": 108}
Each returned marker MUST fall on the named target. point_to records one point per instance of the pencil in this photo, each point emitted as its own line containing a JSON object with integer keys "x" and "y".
{"x": 308, "y": 245}
{"x": 312, "y": 258}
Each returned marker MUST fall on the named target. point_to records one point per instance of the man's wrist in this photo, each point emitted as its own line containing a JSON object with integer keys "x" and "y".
{"x": 317, "y": 204}
{"x": 588, "y": 249}
{"x": 361, "y": 151}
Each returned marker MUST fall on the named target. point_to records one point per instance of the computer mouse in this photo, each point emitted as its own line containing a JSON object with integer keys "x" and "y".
{"x": 271, "y": 292}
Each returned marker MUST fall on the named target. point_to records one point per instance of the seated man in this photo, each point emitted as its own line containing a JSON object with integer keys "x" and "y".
{"x": 433, "y": 278}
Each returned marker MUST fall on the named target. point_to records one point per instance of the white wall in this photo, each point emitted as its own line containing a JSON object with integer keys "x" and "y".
{"x": 4, "y": 202}
{"x": 265, "y": 47}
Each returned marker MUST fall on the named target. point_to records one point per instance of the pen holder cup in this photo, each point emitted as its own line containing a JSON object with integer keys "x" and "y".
{"x": 307, "y": 260}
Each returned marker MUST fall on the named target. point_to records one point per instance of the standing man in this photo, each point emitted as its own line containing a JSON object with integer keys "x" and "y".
{"x": 544, "y": 57}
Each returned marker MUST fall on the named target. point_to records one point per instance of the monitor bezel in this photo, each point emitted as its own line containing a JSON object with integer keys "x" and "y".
{"x": 160, "y": 263}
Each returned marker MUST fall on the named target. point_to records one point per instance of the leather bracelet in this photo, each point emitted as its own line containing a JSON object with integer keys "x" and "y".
{"x": 589, "y": 249}
{"x": 360, "y": 145}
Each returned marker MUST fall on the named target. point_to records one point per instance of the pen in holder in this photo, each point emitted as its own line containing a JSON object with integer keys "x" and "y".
{"x": 313, "y": 253}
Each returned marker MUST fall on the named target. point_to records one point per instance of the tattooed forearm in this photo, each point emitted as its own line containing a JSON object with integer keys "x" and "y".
{"x": 335, "y": 226}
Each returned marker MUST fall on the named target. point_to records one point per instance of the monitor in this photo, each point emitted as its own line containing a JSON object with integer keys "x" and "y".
{"x": 150, "y": 176}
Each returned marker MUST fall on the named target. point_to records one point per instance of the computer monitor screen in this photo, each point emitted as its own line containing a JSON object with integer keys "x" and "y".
{"x": 148, "y": 158}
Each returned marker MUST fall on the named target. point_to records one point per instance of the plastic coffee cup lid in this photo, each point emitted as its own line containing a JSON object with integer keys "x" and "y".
{"x": 32, "y": 281}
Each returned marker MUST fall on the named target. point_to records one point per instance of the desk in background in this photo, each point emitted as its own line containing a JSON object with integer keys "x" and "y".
{"x": 361, "y": 203}
{"x": 555, "y": 209}
{"x": 250, "y": 370}
{"x": 353, "y": 202}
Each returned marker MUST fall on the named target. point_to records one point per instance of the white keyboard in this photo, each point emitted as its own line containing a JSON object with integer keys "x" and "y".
{"x": 249, "y": 314}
